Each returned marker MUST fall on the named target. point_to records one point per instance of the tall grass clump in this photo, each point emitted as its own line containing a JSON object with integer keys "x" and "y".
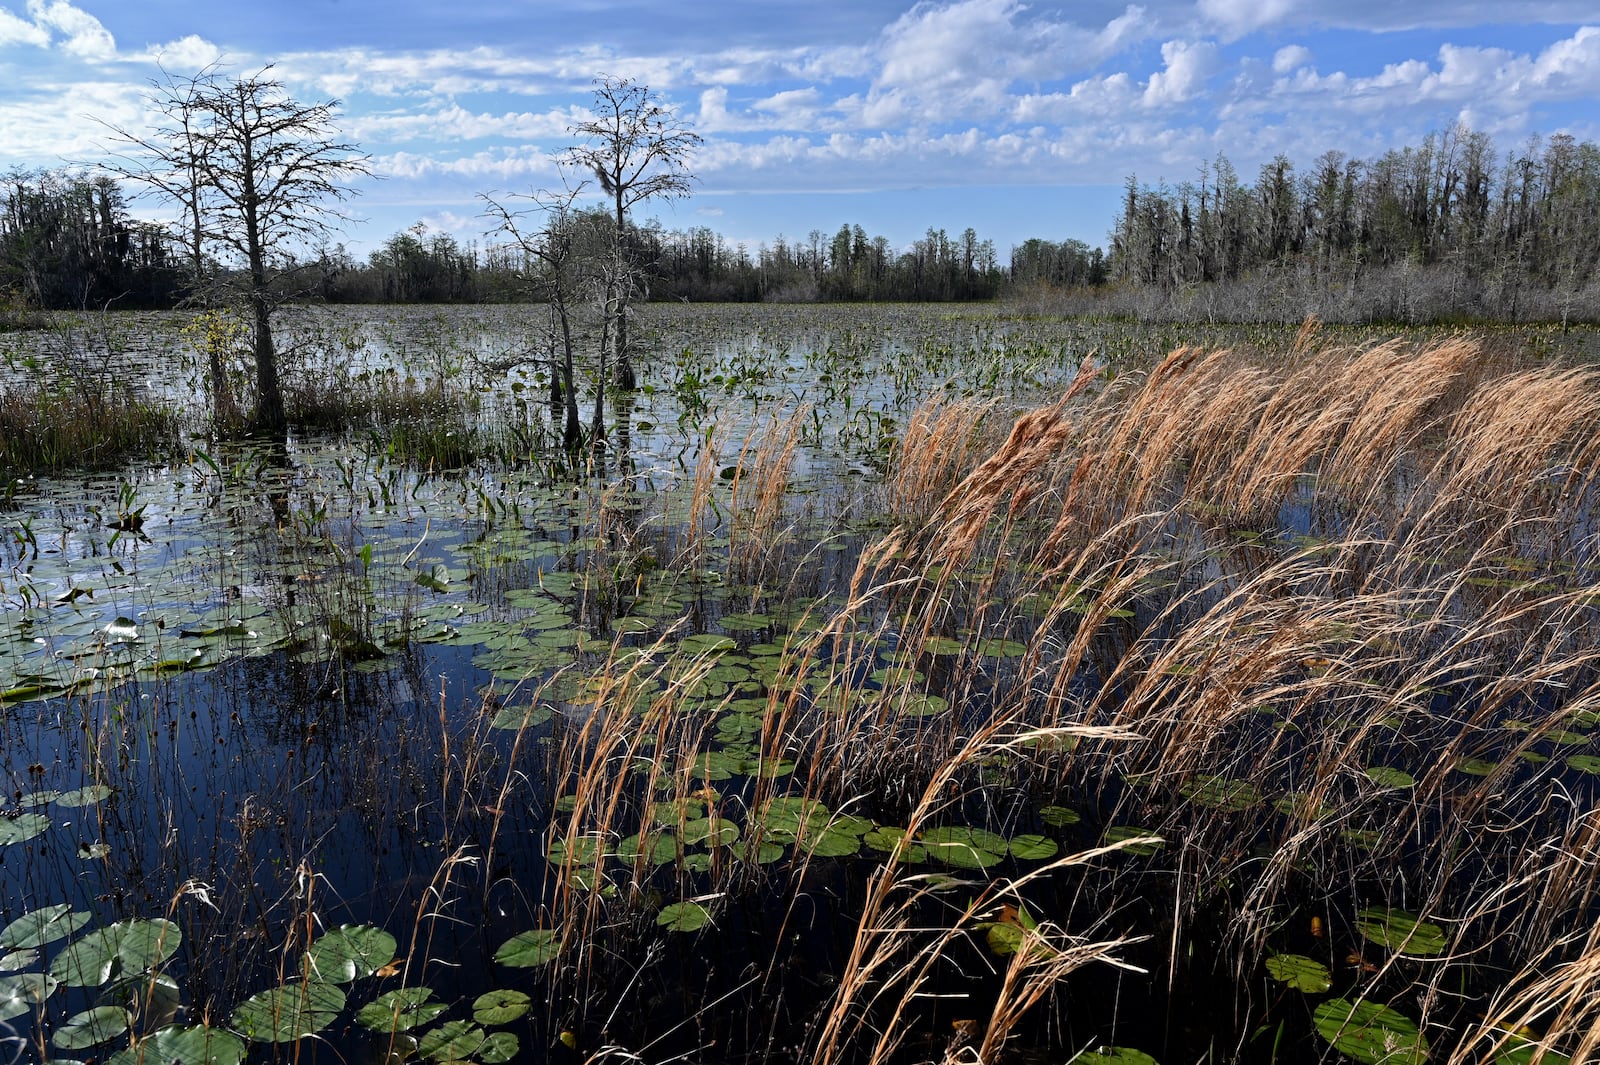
{"x": 50, "y": 425}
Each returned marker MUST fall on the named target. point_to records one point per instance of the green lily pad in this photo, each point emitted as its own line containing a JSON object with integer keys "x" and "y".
{"x": 1059, "y": 816}
{"x": 1584, "y": 763}
{"x": 1476, "y": 767}
{"x": 943, "y": 645}
{"x": 121, "y": 949}
{"x": 1370, "y": 1033}
{"x": 1399, "y": 931}
{"x": 1519, "y": 1050}
{"x": 21, "y": 828}
{"x": 1387, "y": 776}
{"x": 1033, "y": 847}
{"x": 1122, "y": 833}
{"x": 348, "y": 952}
{"x": 1222, "y": 793}
{"x": 497, "y": 1048}
{"x": 400, "y": 1010}
{"x": 501, "y": 1006}
{"x": 527, "y": 950}
{"x": 514, "y": 718}
{"x": 86, "y": 796}
{"x": 90, "y": 1028}
{"x": 284, "y": 1014}
{"x": 16, "y": 960}
{"x": 683, "y": 916}
{"x": 20, "y": 993}
{"x": 1300, "y": 972}
{"x": 451, "y": 1041}
{"x": 1115, "y": 1056}
{"x": 44, "y": 925}
{"x": 184, "y": 1046}
{"x": 964, "y": 847}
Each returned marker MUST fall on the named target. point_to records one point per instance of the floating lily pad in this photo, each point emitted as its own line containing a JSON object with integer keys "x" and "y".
{"x": 124, "y": 948}
{"x": 1520, "y": 1050}
{"x": 21, "y": 828}
{"x": 86, "y": 796}
{"x": 1370, "y": 1033}
{"x": 1387, "y": 776}
{"x": 44, "y": 925}
{"x": 348, "y": 952}
{"x": 1122, "y": 833}
{"x": 1059, "y": 816}
{"x": 1584, "y": 763}
{"x": 520, "y": 717}
{"x": 284, "y": 1014}
{"x": 1115, "y": 1056}
{"x": 1033, "y": 847}
{"x": 400, "y": 1010}
{"x": 527, "y": 950}
{"x": 21, "y": 992}
{"x": 1476, "y": 767}
{"x": 683, "y": 916}
{"x": 90, "y": 1028}
{"x": 964, "y": 847}
{"x": 943, "y": 645}
{"x": 1300, "y": 972}
{"x": 184, "y": 1046}
{"x": 452, "y": 1041}
{"x": 17, "y": 959}
{"x": 1222, "y": 793}
{"x": 1399, "y": 931}
{"x": 501, "y": 1006}
{"x": 497, "y": 1048}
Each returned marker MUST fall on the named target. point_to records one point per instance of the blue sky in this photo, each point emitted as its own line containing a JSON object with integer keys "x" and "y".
{"x": 1019, "y": 119}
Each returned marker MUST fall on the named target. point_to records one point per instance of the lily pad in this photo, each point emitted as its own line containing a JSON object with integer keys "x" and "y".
{"x": 1584, "y": 763}
{"x": 1370, "y": 1033}
{"x": 683, "y": 916}
{"x": 964, "y": 847}
{"x": 452, "y": 1041}
{"x": 184, "y": 1046}
{"x": 20, "y": 993}
{"x": 85, "y": 796}
{"x": 1115, "y": 1056}
{"x": 1300, "y": 972}
{"x": 1399, "y": 931}
{"x": 1033, "y": 847}
{"x": 1222, "y": 793}
{"x": 121, "y": 949}
{"x": 44, "y": 925}
{"x": 400, "y": 1010}
{"x": 520, "y": 717}
{"x": 284, "y": 1014}
{"x": 348, "y": 952}
{"x": 90, "y": 1028}
{"x": 527, "y": 950}
{"x": 21, "y": 828}
{"x": 1123, "y": 833}
{"x": 1387, "y": 776}
{"x": 501, "y": 1006}
{"x": 1059, "y": 816}
{"x": 497, "y": 1048}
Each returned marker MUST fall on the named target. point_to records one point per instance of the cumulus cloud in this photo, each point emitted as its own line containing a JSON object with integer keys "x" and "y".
{"x": 14, "y": 30}
{"x": 1290, "y": 58}
{"x": 1235, "y": 18}
{"x": 86, "y": 38}
{"x": 1187, "y": 66}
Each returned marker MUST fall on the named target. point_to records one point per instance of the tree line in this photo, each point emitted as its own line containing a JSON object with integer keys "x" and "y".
{"x": 1445, "y": 228}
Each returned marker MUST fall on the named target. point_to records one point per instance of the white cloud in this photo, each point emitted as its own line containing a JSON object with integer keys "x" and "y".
{"x": 14, "y": 30}
{"x": 186, "y": 53}
{"x": 1290, "y": 58}
{"x": 1235, "y": 18}
{"x": 1188, "y": 65}
{"x": 86, "y": 38}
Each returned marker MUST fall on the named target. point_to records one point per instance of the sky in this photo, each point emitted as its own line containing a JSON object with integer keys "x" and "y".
{"x": 1017, "y": 119}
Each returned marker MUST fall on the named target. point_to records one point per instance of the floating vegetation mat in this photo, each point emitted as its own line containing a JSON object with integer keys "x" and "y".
{"x": 898, "y": 687}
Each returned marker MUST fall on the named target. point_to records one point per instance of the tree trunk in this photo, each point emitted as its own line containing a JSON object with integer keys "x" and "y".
{"x": 270, "y": 418}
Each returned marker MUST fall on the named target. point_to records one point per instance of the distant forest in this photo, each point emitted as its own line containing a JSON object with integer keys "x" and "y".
{"x": 1448, "y": 230}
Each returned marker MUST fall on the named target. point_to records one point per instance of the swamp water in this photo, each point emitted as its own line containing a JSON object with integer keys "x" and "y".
{"x": 323, "y": 753}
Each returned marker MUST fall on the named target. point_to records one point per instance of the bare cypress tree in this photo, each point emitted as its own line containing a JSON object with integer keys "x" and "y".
{"x": 258, "y": 175}
{"x": 637, "y": 150}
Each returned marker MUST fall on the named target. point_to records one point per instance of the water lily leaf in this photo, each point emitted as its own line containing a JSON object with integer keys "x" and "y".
{"x": 86, "y": 796}
{"x": 44, "y": 925}
{"x": 284, "y": 1014}
{"x": 184, "y": 1046}
{"x": 683, "y": 916}
{"x": 513, "y": 718}
{"x": 1519, "y": 1050}
{"x": 21, "y": 828}
{"x": 1399, "y": 931}
{"x": 499, "y": 1047}
{"x": 1059, "y": 816}
{"x": 997, "y": 648}
{"x": 964, "y": 847}
{"x": 451, "y": 1041}
{"x": 349, "y": 951}
{"x": 123, "y": 948}
{"x": 501, "y": 1006}
{"x": 1121, "y": 833}
{"x": 1387, "y": 776}
{"x": 1300, "y": 972}
{"x": 943, "y": 645}
{"x": 829, "y": 842}
{"x": 1033, "y": 847}
{"x": 17, "y": 959}
{"x": 1584, "y": 763}
{"x": 710, "y": 831}
{"x": 527, "y": 950}
{"x": 745, "y": 622}
{"x": 20, "y": 993}
{"x": 400, "y": 1010}
{"x": 1370, "y": 1033}
{"x": 1222, "y": 793}
{"x": 90, "y": 1028}
{"x": 1476, "y": 767}
{"x": 663, "y": 848}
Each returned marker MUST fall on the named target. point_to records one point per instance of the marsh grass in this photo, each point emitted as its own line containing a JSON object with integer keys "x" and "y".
{"x": 65, "y": 423}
